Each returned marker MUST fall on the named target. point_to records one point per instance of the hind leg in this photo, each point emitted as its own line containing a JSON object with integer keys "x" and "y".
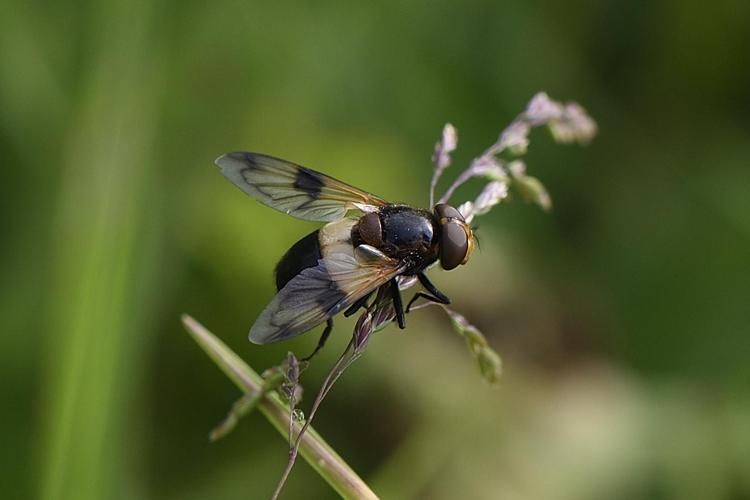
{"x": 323, "y": 337}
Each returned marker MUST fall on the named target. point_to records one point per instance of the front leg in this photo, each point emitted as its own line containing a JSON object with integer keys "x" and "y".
{"x": 398, "y": 304}
{"x": 433, "y": 289}
{"x": 437, "y": 296}
{"x": 422, "y": 295}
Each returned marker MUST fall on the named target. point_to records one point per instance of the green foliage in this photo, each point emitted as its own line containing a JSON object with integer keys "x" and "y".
{"x": 487, "y": 359}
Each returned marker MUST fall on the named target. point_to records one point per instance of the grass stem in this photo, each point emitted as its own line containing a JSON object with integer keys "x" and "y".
{"x": 321, "y": 457}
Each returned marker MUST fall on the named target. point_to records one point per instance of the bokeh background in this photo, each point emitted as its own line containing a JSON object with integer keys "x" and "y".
{"x": 622, "y": 316}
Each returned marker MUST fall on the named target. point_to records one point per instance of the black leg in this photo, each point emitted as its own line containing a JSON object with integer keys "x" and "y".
{"x": 323, "y": 338}
{"x": 422, "y": 295}
{"x": 358, "y": 305}
{"x": 432, "y": 289}
{"x": 437, "y": 296}
{"x": 398, "y": 305}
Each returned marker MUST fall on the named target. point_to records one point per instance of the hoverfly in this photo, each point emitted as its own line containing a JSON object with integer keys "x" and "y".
{"x": 341, "y": 265}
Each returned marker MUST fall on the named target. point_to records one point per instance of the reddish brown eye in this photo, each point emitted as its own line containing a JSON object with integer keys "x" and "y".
{"x": 371, "y": 230}
{"x": 454, "y": 245}
{"x": 444, "y": 211}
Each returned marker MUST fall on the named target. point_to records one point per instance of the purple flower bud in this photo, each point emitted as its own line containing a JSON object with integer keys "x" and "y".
{"x": 517, "y": 168}
{"x": 292, "y": 367}
{"x": 542, "y": 109}
{"x": 467, "y": 210}
{"x": 574, "y": 125}
{"x": 515, "y": 138}
{"x": 492, "y": 194}
{"x": 362, "y": 331}
{"x": 383, "y": 316}
{"x": 441, "y": 157}
{"x": 486, "y": 166}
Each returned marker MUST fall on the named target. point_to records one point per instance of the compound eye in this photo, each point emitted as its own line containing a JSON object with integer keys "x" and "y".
{"x": 454, "y": 245}
{"x": 371, "y": 230}
{"x": 445, "y": 211}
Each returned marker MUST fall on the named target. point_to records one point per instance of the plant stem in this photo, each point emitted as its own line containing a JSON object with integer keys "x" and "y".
{"x": 343, "y": 362}
{"x": 321, "y": 457}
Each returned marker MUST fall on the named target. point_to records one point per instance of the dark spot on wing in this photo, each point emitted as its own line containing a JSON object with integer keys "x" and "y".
{"x": 248, "y": 159}
{"x": 309, "y": 182}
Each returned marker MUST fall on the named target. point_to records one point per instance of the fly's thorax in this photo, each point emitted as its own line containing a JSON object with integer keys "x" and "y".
{"x": 401, "y": 232}
{"x": 407, "y": 229}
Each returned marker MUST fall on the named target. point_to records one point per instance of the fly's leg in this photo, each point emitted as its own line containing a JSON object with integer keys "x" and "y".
{"x": 437, "y": 296}
{"x": 398, "y": 304}
{"x": 324, "y": 336}
{"x": 358, "y": 305}
{"x": 422, "y": 295}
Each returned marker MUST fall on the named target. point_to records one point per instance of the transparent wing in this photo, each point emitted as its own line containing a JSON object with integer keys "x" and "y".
{"x": 319, "y": 292}
{"x": 294, "y": 189}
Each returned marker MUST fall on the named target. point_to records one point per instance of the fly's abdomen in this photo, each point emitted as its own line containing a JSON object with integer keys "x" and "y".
{"x": 332, "y": 238}
{"x": 303, "y": 254}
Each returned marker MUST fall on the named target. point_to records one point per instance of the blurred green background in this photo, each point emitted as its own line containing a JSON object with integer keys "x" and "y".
{"x": 622, "y": 316}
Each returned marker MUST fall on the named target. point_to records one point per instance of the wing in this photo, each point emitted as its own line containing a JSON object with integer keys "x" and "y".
{"x": 293, "y": 189}
{"x": 319, "y": 292}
